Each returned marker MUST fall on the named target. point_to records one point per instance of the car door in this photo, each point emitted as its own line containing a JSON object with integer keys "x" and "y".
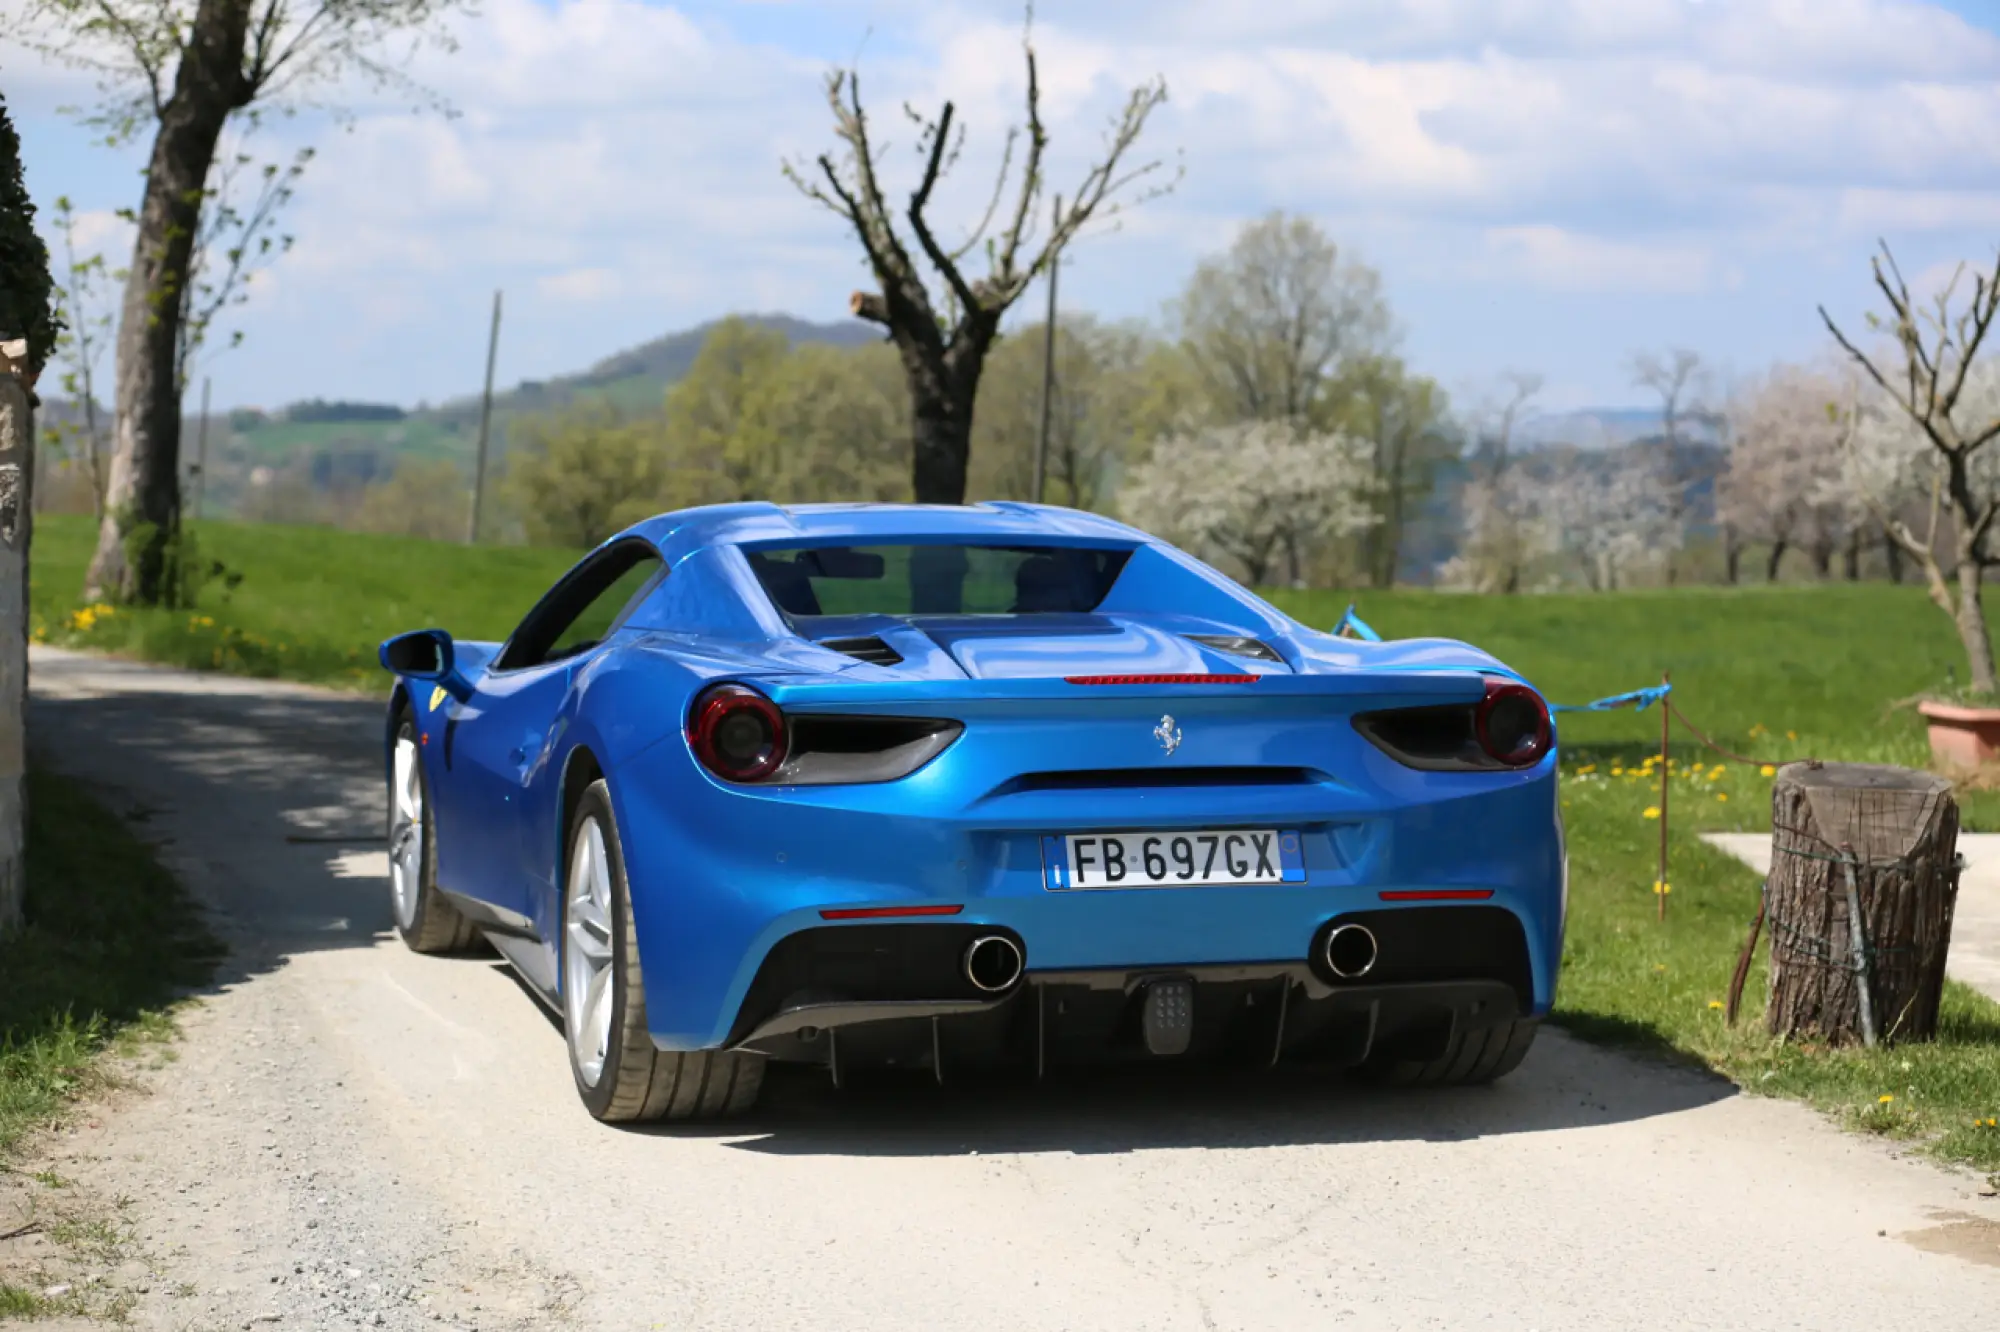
{"x": 505, "y": 732}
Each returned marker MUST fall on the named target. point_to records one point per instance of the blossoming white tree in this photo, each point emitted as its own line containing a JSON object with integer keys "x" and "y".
{"x": 1254, "y": 492}
{"x": 1612, "y": 514}
{"x": 1933, "y": 382}
{"x": 1786, "y": 481}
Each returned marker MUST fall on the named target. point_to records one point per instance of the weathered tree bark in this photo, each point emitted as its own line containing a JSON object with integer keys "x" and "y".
{"x": 1778, "y": 549}
{"x": 1851, "y": 558}
{"x": 142, "y": 500}
{"x": 1894, "y": 551}
{"x": 1895, "y": 832}
{"x": 17, "y": 453}
{"x": 1732, "y": 553}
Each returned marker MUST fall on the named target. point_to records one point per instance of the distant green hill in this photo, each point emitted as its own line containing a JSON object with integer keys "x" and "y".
{"x": 633, "y": 380}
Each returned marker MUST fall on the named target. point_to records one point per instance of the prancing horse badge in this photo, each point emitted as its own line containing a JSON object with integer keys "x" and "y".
{"x": 1168, "y": 734}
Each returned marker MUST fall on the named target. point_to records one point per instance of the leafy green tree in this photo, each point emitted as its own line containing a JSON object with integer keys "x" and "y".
{"x": 826, "y": 423}
{"x": 1099, "y": 413}
{"x": 27, "y": 290}
{"x": 1271, "y": 323}
{"x": 421, "y": 498}
{"x": 582, "y": 475}
{"x": 1404, "y": 421}
{"x": 708, "y": 410}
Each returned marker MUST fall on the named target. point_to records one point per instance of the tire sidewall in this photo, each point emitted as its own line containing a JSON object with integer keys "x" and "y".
{"x": 596, "y": 804}
{"x": 406, "y": 724}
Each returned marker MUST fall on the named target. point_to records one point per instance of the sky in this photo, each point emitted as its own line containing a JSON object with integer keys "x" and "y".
{"x": 1546, "y": 186}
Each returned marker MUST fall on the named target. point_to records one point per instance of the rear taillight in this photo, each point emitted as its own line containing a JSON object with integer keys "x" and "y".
{"x": 742, "y": 736}
{"x": 1508, "y": 728}
{"x": 737, "y": 733}
{"x": 1512, "y": 724}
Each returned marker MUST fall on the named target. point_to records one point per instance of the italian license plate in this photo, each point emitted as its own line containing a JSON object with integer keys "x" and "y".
{"x": 1180, "y": 859}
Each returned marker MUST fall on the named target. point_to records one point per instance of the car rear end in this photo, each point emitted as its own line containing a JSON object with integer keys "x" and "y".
{"x": 1262, "y": 859}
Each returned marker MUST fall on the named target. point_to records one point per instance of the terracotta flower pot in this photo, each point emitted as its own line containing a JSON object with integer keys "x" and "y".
{"x": 1962, "y": 737}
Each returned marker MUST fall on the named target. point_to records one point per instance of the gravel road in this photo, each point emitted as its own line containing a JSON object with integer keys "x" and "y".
{"x": 356, "y": 1136}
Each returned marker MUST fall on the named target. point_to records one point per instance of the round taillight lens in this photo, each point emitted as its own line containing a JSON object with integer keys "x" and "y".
{"x": 737, "y": 733}
{"x": 1512, "y": 723}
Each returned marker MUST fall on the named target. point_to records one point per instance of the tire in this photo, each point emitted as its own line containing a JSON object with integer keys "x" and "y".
{"x": 1481, "y": 1055}
{"x": 621, "y": 1075}
{"x": 425, "y": 920}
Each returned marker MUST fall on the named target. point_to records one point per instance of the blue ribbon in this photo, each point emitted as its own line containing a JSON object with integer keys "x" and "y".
{"x": 1638, "y": 700}
{"x": 1351, "y": 621}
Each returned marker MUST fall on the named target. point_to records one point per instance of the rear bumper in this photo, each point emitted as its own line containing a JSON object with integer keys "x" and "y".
{"x": 897, "y": 995}
{"x": 725, "y": 881}
{"x": 1259, "y": 1015}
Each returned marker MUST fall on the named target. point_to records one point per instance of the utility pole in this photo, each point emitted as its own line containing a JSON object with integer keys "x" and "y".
{"x": 1048, "y": 368}
{"x": 485, "y": 424}
{"x": 201, "y": 450}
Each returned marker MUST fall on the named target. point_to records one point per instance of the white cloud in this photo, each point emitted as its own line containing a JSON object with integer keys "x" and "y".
{"x": 1549, "y": 256}
{"x": 616, "y": 165}
{"x": 580, "y": 285}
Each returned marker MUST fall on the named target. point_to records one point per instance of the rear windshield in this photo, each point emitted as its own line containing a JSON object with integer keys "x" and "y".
{"x": 937, "y": 580}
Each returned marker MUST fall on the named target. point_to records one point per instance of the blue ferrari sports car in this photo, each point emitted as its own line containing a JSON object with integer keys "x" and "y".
{"x": 960, "y": 788}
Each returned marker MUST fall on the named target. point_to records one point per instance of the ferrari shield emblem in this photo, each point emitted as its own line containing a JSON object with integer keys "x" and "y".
{"x": 437, "y": 697}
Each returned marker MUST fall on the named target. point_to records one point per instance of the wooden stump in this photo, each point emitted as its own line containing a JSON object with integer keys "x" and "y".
{"x": 1887, "y": 839}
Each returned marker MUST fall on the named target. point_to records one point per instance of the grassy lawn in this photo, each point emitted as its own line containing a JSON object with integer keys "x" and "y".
{"x": 311, "y": 605}
{"x": 110, "y": 940}
{"x": 1773, "y": 672}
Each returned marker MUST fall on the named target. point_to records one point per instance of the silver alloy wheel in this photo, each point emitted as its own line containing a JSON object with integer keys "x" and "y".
{"x": 588, "y": 973}
{"x": 406, "y": 832}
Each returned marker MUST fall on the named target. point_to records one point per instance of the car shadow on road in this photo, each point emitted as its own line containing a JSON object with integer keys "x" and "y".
{"x": 1564, "y": 1084}
{"x": 266, "y": 801}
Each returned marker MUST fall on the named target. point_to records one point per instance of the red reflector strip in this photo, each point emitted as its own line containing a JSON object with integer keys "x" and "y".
{"x": 1439, "y": 895}
{"x": 1158, "y": 679}
{"x": 878, "y": 913}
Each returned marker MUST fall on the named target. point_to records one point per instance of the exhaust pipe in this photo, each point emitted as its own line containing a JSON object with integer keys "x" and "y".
{"x": 993, "y": 963}
{"x": 1350, "y": 951}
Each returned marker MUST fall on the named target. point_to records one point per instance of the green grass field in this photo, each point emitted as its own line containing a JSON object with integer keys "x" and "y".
{"x": 110, "y": 940}
{"x": 1770, "y": 672}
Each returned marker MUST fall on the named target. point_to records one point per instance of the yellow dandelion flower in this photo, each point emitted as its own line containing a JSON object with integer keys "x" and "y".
{"x": 1652, "y": 812}
{"x": 1715, "y": 1003}
{"x": 1586, "y": 769}
{"x": 1791, "y": 735}
{"x": 1659, "y": 966}
{"x": 1661, "y": 889}
{"x": 1722, "y": 795}
{"x": 1884, "y": 1100}
{"x": 1767, "y": 770}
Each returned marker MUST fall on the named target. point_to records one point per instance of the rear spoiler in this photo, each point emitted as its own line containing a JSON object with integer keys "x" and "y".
{"x": 1402, "y": 688}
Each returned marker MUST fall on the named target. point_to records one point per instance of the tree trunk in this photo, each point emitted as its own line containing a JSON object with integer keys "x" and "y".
{"x": 17, "y": 454}
{"x": 1971, "y": 618}
{"x": 1894, "y": 551}
{"x": 1732, "y": 555}
{"x": 1896, "y": 832}
{"x": 1822, "y": 559}
{"x": 1771, "y": 565}
{"x": 1851, "y": 558}
{"x": 142, "y": 501}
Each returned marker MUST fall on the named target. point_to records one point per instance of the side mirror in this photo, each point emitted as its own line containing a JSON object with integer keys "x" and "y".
{"x": 425, "y": 654}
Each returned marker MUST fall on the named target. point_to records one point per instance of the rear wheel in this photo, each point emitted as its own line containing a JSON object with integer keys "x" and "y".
{"x": 1478, "y": 1055}
{"x": 621, "y": 1075}
{"x": 425, "y": 920}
